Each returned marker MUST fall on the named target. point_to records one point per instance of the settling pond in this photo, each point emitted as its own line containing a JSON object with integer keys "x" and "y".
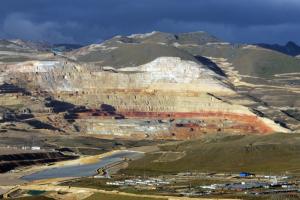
{"x": 82, "y": 170}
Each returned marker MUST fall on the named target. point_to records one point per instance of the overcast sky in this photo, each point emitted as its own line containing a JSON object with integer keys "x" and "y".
{"x": 87, "y": 21}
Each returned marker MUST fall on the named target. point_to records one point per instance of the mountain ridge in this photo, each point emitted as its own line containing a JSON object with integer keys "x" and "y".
{"x": 290, "y": 48}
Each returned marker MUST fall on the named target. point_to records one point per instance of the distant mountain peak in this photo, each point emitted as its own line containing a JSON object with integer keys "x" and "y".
{"x": 291, "y": 43}
{"x": 291, "y": 48}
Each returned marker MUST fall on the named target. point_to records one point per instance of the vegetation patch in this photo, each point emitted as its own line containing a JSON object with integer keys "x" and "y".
{"x": 278, "y": 153}
{"x": 98, "y": 196}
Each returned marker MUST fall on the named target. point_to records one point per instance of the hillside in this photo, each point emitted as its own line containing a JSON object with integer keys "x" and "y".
{"x": 150, "y": 86}
{"x": 290, "y": 48}
{"x": 276, "y": 153}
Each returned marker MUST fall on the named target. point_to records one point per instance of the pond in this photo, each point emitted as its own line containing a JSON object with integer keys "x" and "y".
{"x": 36, "y": 192}
{"x": 82, "y": 170}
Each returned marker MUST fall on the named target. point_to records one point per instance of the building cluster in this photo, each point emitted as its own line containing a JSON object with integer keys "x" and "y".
{"x": 250, "y": 184}
{"x": 243, "y": 183}
{"x": 240, "y": 186}
{"x": 32, "y": 148}
{"x": 251, "y": 188}
{"x": 139, "y": 182}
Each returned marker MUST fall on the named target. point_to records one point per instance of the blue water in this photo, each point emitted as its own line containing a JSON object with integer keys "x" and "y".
{"x": 36, "y": 192}
{"x": 80, "y": 170}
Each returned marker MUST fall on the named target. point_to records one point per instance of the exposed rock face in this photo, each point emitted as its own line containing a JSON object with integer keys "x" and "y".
{"x": 167, "y": 88}
{"x": 268, "y": 79}
{"x": 140, "y": 86}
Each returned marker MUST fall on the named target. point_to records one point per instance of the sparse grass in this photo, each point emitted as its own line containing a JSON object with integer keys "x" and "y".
{"x": 90, "y": 145}
{"x": 278, "y": 153}
{"x": 14, "y": 59}
{"x": 90, "y": 183}
{"x": 34, "y": 198}
{"x": 101, "y": 184}
{"x": 256, "y": 62}
{"x": 102, "y": 196}
{"x": 134, "y": 55}
{"x": 266, "y": 63}
{"x": 86, "y": 145}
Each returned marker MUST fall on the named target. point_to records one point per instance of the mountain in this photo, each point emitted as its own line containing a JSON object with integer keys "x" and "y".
{"x": 151, "y": 86}
{"x": 290, "y": 48}
{"x": 22, "y": 50}
{"x": 139, "y": 49}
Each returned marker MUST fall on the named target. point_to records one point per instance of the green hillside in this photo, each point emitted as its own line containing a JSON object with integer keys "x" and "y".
{"x": 250, "y": 61}
{"x": 278, "y": 153}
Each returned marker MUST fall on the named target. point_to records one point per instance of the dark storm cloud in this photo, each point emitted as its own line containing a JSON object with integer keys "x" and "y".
{"x": 84, "y": 21}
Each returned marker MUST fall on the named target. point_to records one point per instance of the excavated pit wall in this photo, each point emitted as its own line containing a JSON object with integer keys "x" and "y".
{"x": 166, "y": 88}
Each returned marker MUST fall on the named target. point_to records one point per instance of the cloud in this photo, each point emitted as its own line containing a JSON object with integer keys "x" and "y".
{"x": 94, "y": 20}
{"x": 279, "y": 33}
{"x": 17, "y": 25}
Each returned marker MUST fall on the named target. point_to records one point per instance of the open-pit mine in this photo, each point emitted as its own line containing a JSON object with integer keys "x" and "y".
{"x": 134, "y": 87}
{"x": 139, "y": 92}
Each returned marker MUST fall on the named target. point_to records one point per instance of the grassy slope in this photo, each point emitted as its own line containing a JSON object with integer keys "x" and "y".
{"x": 115, "y": 196}
{"x": 276, "y": 153}
{"x": 134, "y": 55}
{"x": 256, "y": 62}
